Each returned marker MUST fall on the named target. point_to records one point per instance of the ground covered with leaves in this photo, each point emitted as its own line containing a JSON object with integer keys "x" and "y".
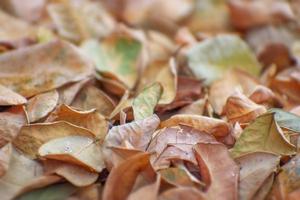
{"x": 149, "y": 99}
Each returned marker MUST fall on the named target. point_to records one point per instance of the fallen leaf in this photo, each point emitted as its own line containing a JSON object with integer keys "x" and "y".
{"x": 213, "y": 126}
{"x": 211, "y": 58}
{"x": 239, "y": 108}
{"x": 118, "y": 55}
{"x": 21, "y": 171}
{"x": 11, "y": 122}
{"x": 138, "y": 133}
{"x": 124, "y": 176}
{"x": 10, "y": 98}
{"x": 264, "y": 135}
{"x": 143, "y": 105}
{"x": 90, "y": 119}
{"x": 182, "y": 193}
{"x": 287, "y": 180}
{"x": 232, "y": 81}
{"x": 91, "y": 97}
{"x": 286, "y": 119}
{"x": 5, "y": 156}
{"x": 62, "y": 63}
{"x": 165, "y": 73}
{"x": 221, "y": 178}
{"x": 52, "y": 192}
{"x": 74, "y": 174}
{"x": 255, "y": 170}
{"x": 248, "y": 14}
{"x": 41, "y": 105}
{"x": 31, "y": 137}
{"x": 75, "y": 149}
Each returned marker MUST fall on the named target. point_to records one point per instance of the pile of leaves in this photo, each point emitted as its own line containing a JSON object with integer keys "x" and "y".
{"x": 149, "y": 99}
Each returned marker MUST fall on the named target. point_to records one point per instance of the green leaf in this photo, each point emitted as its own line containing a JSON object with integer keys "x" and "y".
{"x": 286, "y": 119}
{"x": 211, "y": 58}
{"x": 53, "y": 192}
{"x": 116, "y": 56}
{"x": 144, "y": 104}
{"x": 263, "y": 135}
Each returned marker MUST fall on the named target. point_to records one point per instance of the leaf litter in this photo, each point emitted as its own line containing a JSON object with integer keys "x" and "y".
{"x": 149, "y": 99}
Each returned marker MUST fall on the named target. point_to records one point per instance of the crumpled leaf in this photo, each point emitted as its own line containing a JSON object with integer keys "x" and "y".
{"x": 211, "y": 58}
{"x": 9, "y": 97}
{"x": 221, "y": 179}
{"x": 76, "y": 175}
{"x": 91, "y": 97}
{"x": 255, "y": 170}
{"x": 90, "y": 119}
{"x": 11, "y": 122}
{"x": 21, "y": 171}
{"x": 75, "y": 149}
{"x": 232, "y": 81}
{"x": 137, "y": 134}
{"x": 175, "y": 143}
{"x": 264, "y": 135}
{"x": 143, "y": 105}
{"x": 41, "y": 105}
{"x": 213, "y": 126}
{"x": 31, "y": 137}
{"x": 125, "y": 175}
{"x": 239, "y": 108}
{"x": 62, "y": 63}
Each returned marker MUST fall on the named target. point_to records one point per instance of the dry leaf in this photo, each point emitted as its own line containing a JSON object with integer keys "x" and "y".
{"x": 213, "y": 126}
{"x": 221, "y": 178}
{"x": 10, "y": 98}
{"x": 75, "y": 149}
{"x": 41, "y": 105}
{"x": 90, "y": 119}
{"x": 31, "y": 137}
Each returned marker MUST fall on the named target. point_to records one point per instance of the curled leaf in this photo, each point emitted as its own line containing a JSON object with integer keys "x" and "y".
{"x": 31, "y": 137}
{"x": 41, "y": 105}
{"x": 78, "y": 150}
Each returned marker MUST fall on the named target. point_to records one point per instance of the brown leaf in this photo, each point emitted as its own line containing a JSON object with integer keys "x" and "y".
{"x": 41, "y": 105}
{"x": 11, "y": 122}
{"x": 239, "y": 108}
{"x": 175, "y": 143}
{"x": 75, "y": 149}
{"x": 182, "y": 193}
{"x": 5, "y": 156}
{"x": 31, "y": 137}
{"x": 213, "y": 126}
{"x": 137, "y": 133}
{"x": 21, "y": 171}
{"x": 221, "y": 178}
{"x": 232, "y": 81}
{"x": 61, "y": 63}
{"x": 9, "y": 97}
{"x": 255, "y": 170}
{"x": 90, "y": 119}
{"x": 91, "y": 97}
{"x": 124, "y": 176}
{"x": 248, "y": 14}
{"x": 74, "y": 174}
